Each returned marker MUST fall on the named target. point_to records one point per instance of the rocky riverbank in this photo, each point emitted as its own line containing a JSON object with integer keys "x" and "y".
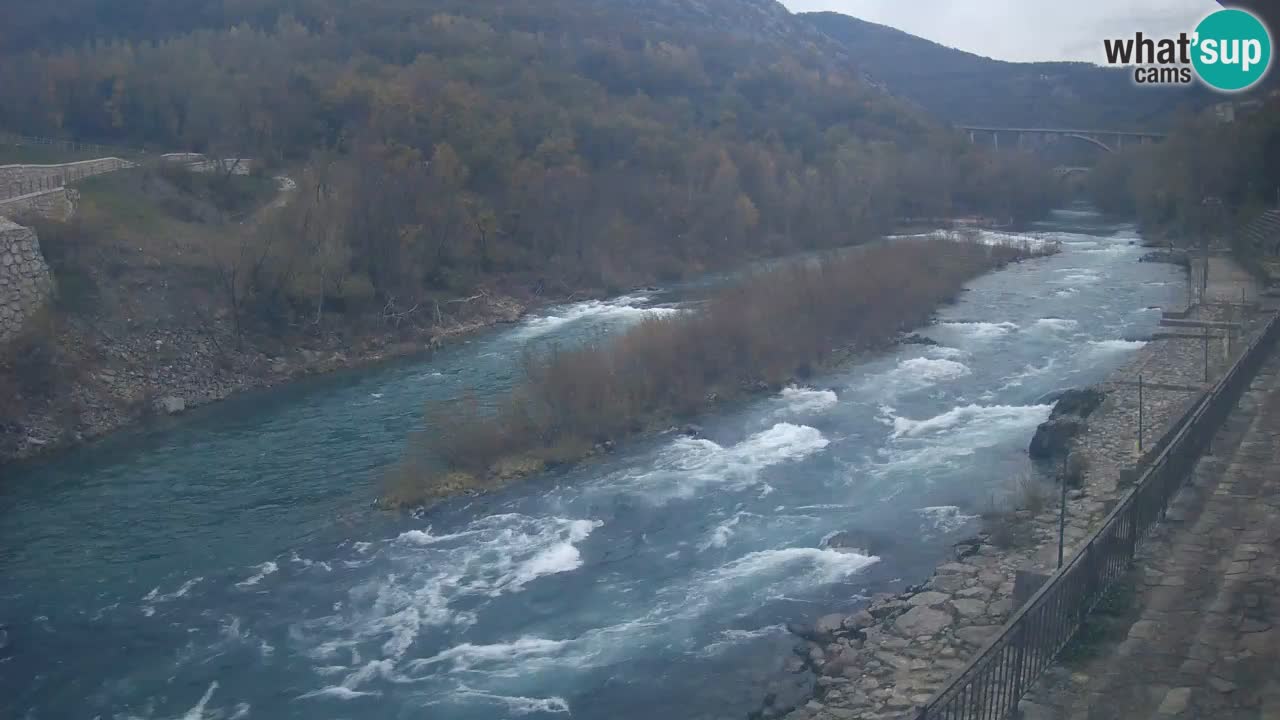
{"x": 891, "y": 657}
{"x": 126, "y": 376}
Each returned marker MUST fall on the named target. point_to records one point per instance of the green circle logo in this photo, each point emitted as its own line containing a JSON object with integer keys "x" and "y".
{"x": 1232, "y": 50}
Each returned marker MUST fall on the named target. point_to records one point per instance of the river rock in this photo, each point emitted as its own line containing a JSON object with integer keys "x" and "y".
{"x": 917, "y": 339}
{"x": 861, "y": 542}
{"x": 928, "y": 599}
{"x": 948, "y": 583}
{"x": 859, "y": 620}
{"x": 967, "y": 547}
{"x": 976, "y": 635}
{"x": 1080, "y": 402}
{"x": 887, "y": 609}
{"x": 1174, "y": 257}
{"x": 171, "y": 405}
{"x": 969, "y": 608}
{"x": 922, "y": 620}
{"x": 828, "y": 625}
{"x": 1054, "y": 436}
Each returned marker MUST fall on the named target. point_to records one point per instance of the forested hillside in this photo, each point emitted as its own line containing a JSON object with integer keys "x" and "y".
{"x": 1208, "y": 179}
{"x": 965, "y": 88}
{"x": 572, "y": 143}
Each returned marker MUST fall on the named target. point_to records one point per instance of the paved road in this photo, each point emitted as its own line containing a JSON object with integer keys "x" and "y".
{"x": 1205, "y": 641}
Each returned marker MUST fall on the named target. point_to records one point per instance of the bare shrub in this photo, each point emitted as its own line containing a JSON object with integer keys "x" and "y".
{"x": 1031, "y": 493}
{"x": 1004, "y": 527}
{"x": 32, "y": 359}
{"x": 1075, "y": 470}
{"x": 764, "y": 330}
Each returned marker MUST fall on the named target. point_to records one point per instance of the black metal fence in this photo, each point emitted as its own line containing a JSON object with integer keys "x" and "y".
{"x": 990, "y": 687}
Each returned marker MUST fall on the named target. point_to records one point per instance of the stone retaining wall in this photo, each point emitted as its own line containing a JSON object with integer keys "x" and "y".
{"x": 58, "y": 204}
{"x": 25, "y": 282}
{"x": 21, "y": 180}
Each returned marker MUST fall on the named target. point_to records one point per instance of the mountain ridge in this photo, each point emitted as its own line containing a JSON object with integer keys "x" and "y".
{"x": 966, "y": 88}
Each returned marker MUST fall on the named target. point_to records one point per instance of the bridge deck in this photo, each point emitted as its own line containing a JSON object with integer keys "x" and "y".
{"x": 1064, "y": 131}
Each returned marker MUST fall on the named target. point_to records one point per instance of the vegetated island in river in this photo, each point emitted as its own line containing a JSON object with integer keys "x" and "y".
{"x": 770, "y": 328}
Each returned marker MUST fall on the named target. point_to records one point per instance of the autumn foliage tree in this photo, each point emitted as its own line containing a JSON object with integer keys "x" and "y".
{"x": 539, "y": 143}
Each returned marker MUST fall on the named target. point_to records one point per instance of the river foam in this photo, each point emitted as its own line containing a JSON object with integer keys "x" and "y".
{"x": 432, "y": 582}
{"x": 519, "y": 705}
{"x": 1114, "y": 346}
{"x": 801, "y": 400}
{"x": 978, "y": 331}
{"x": 985, "y": 418}
{"x": 625, "y": 309}
{"x": 689, "y": 464}
{"x": 944, "y": 519}
{"x": 918, "y": 373}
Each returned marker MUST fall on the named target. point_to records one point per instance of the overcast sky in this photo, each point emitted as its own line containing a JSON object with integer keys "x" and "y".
{"x": 1024, "y": 29}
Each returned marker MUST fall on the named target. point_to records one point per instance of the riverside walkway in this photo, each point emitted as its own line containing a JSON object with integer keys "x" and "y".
{"x": 1202, "y": 639}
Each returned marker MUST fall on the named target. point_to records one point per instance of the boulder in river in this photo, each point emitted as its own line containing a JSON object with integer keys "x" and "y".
{"x": 171, "y": 405}
{"x": 862, "y": 542}
{"x": 1054, "y": 436}
{"x": 1080, "y": 402}
{"x": 1173, "y": 257}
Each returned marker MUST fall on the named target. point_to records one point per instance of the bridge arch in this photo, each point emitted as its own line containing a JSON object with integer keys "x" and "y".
{"x": 1090, "y": 140}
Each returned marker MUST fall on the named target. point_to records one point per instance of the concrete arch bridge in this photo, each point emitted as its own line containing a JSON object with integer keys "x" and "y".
{"x": 1106, "y": 140}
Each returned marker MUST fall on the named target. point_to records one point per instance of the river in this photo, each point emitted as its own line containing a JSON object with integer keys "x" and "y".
{"x": 231, "y": 565}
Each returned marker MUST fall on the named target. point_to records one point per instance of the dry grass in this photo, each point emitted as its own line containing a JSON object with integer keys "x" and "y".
{"x": 767, "y": 329}
{"x": 1076, "y": 470}
{"x": 1031, "y": 493}
{"x": 1005, "y": 527}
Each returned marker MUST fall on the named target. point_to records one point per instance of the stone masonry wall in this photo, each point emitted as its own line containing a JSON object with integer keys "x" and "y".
{"x": 59, "y": 204}
{"x": 25, "y": 282}
{"x": 19, "y": 180}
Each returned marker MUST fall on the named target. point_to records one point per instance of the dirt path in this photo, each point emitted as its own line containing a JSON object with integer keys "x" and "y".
{"x": 1205, "y": 635}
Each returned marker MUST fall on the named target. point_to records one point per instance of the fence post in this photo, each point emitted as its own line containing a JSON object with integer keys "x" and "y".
{"x": 1062, "y": 512}
{"x": 1139, "y": 416}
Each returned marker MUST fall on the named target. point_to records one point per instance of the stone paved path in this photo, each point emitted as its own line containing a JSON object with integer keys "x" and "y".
{"x": 881, "y": 663}
{"x": 1206, "y": 640}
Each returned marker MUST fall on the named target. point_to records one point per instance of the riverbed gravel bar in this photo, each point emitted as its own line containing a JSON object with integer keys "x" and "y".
{"x": 891, "y": 657}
